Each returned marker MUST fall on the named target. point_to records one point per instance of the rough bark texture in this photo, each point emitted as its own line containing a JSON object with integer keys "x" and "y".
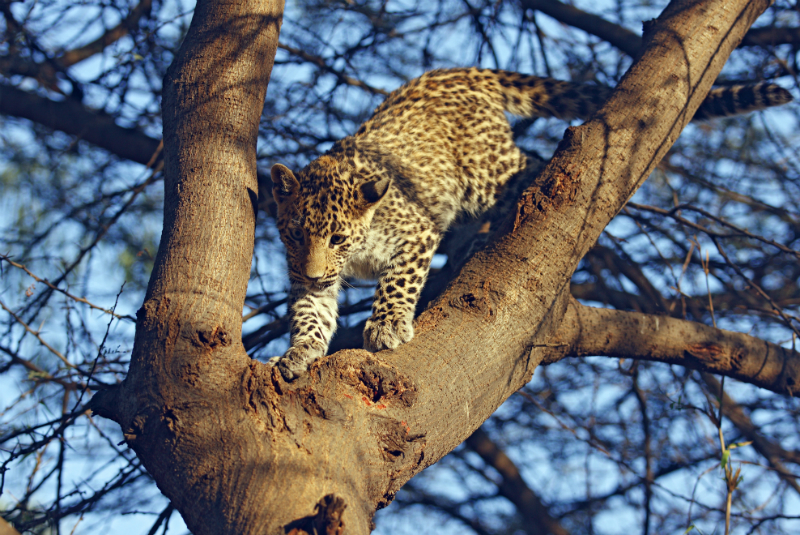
{"x": 184, "y": 403}
{"x": 238, "y": 450}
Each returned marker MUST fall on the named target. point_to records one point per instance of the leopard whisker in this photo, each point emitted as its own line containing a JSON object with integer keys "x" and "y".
{"x": 344, "y": 282}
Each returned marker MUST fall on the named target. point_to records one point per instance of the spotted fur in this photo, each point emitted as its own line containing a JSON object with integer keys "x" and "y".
{"x": 376, "y": 205}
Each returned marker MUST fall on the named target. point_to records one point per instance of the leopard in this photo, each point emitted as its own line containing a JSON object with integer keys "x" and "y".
{"x": 439, "y": 150}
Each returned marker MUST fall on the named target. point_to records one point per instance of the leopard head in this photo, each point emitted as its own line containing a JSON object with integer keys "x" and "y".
{"x": 324, "y": 214}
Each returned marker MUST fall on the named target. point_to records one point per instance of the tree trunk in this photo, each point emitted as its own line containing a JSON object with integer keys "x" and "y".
{"x": 238, "y": 450}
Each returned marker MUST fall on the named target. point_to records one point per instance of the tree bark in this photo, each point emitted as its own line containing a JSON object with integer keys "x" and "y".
{"x": 588, "y": 331}
{"x": 184, "y": 403}
{"x": 238, "y": 450}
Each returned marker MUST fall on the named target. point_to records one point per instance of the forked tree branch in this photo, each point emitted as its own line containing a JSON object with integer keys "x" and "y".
{"x": 341, "y": 440}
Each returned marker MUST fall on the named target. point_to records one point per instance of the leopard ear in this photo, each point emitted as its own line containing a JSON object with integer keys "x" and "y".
{"x": 372, "y": 192}
{"x": 284, "y": 183}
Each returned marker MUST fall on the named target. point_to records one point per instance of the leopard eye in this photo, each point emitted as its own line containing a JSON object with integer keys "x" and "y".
{"x": 337, "y": 239}
{"x": 296, "y": 234}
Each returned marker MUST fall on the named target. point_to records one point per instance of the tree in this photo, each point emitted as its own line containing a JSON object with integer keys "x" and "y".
{"x": 238, "y": 450}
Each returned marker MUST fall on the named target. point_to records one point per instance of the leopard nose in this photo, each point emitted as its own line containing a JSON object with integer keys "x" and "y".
{"x": 315, "y": 274}
{"x": 315, "y": 263}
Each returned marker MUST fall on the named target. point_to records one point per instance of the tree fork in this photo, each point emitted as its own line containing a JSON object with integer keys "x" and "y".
{"x": 238, "y": 450}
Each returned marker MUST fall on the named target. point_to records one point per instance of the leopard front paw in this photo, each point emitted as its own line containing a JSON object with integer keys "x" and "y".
{"x": 387, "y": 333}
{"x": 296, "y": 360}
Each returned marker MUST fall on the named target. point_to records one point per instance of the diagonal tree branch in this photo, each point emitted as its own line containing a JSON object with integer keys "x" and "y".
{"x": 534, "y": 513}
{"x": 72, "y": 117}
{"x": 344, "y": 437}
{"x": 76, "y": 55}
{"x": 630, "y": 42}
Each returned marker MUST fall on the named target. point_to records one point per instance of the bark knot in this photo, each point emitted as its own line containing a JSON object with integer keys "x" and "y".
{"x": 397, "y": 443}
{"x": 327, "y": 518}
{"x": 382, "y": 383}
{"x": 469, "y": 302}
{"x": 709, "y": 353}
{"x": 532, "y": 206}
{"x": 211, "y": 339}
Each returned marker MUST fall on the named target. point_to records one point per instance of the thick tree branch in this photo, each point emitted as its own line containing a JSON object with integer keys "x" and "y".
{"x": 6, "y": 528}
{"x": 358, "y": 426}
{"x": 473, "y": 333}
{"x": 74, "y": 118}
{"x": 629, "y": 42}
{"x": 185, "y": 405}
{"x": 589, "y": 331}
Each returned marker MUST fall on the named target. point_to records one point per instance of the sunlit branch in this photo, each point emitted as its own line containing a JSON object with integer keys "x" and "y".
{"x": 588, "y": 331}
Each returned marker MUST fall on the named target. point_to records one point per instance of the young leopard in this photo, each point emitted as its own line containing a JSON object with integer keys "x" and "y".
{"x": 378, "y": 202}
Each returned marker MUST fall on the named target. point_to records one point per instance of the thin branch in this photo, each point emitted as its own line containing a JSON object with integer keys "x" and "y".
{"x": 76, "y": 55}
{"x": 773, "y": 453}
{"x": 36, "y": 334}
{"x": 622, "y": 38}
{"x": 320, "y": 62}
{"x": 40, "y": 373}
{"x": 674, "y": 213}
{"x": 66, "y": 293}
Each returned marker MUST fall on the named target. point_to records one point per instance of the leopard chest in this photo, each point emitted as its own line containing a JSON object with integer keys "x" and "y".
{"x": 370, "y": 260}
